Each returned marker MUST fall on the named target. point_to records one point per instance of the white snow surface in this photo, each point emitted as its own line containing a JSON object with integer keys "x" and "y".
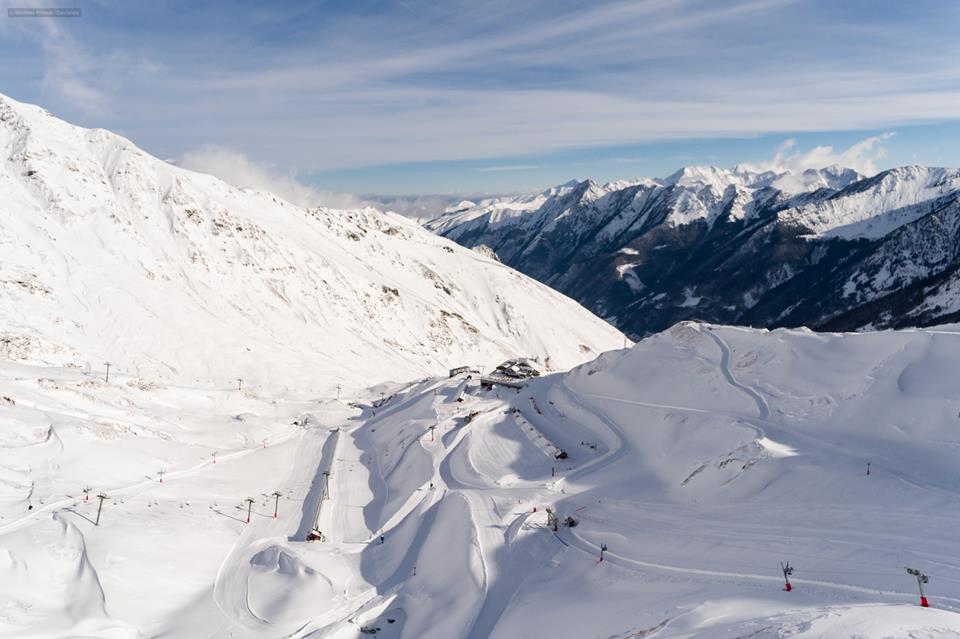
{"x": 109, "y": 254}
{"x": 880, "y": 205}
{"x": 701, "y": 457}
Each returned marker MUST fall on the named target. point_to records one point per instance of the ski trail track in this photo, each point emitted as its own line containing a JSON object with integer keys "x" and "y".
{"x": 761, "y": 423}
{"x": 313, "y": 502}
{"x": 510, "y": 542}
{"x": 577, "y": 542}
{"x": 144, "y": 485}
{"x": 230, "y": 588}
{"x": 506, "y": 560}
{"x": 513, "y": 563}
{"x": 763, "y": 409}
{"x": 506, "y": 556}
{"x": 349, "y": 497}
{"x": 617, "y": 452}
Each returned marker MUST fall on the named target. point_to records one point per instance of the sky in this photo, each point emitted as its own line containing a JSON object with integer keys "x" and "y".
{"x": 325, "y": 100}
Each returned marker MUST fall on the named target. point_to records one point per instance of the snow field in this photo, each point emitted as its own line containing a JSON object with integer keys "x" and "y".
{"x": 702, "y": 458}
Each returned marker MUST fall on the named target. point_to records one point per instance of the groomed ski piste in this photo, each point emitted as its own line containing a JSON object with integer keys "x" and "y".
{"x": 701, "y": 458}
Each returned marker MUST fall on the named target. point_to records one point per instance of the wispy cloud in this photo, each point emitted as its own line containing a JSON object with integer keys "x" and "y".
{"x": 509, "y": 167}
{"x": 67, "y": 62}
{"x": 84, "y": 75}
{"x": 419, "y": 81}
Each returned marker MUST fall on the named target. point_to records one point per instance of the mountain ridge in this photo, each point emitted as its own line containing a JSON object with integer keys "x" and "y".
{"x": 725, "y": 245}
{"x": 113, "y": 255}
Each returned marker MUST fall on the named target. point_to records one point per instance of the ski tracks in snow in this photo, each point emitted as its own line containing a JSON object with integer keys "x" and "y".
{"x": 231, "y": 585}
{"x": 140, "y": 486}
{"x": 763, "y": 408}
{"x": 574, "y": 540}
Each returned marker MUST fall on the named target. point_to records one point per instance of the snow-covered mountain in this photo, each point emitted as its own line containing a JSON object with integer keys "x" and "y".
{"x": 700, "y": 459}
{"x": 165, "y": 502}
{"x": 108, "y": 254}
{"x": 824, "y": 248}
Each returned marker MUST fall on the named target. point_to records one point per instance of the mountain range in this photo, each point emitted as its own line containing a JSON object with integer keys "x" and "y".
{"x": 217, "y": 481}
{"x": 826, "y": 248}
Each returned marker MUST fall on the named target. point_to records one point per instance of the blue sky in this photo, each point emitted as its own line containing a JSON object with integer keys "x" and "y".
{"x": 410, "y": 96}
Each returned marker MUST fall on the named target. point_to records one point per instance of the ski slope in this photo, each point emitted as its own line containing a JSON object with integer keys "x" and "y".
{"x": 702, "y": 458}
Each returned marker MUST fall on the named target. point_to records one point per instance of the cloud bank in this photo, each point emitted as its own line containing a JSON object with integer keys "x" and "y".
{"x": 863, "y": 156}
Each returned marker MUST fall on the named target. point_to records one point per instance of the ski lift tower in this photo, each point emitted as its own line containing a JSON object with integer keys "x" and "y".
{"x": 787, "y": 571}
{"x": 921, "y": 579}
{"x": 552, "y": 520}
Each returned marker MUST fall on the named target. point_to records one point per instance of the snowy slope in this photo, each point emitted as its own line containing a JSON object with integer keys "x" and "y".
{"x": 875, "y": 207}
{"x": 737, "y": 246}
{"x": 111, "y": 255}
{"x": 702, "y": 458}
